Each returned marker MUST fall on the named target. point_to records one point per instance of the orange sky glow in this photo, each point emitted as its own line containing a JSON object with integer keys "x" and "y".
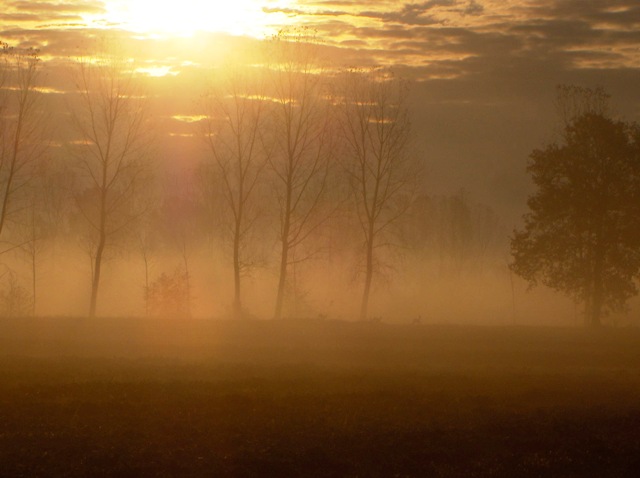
{"x": 482, "y": 70}
{"x": 482, "y": 74}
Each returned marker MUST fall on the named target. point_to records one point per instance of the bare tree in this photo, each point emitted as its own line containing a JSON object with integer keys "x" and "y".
{"x": 109, "y": 117}
{"x": 381, "y": 173}
{"x": 574, "y": 101}
{"x": 22, "y": 142}
{"x": 235, "y": 111}
{"x": 301, "y": 133}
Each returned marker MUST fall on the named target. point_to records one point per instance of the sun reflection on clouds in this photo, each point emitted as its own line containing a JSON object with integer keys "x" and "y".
{"x": 157, "y": 71}
{"x": 189, "y": 118}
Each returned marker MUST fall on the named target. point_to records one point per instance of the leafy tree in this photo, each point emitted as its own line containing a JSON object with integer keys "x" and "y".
{"x": 582, "y": 233}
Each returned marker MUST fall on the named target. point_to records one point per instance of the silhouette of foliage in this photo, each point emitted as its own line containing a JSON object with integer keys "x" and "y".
{"x": 582, "y": 234}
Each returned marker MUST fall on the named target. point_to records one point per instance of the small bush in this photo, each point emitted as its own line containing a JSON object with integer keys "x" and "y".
{"x": 169, "y": 295}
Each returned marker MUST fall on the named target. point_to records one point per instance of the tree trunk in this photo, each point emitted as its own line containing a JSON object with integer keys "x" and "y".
{"x": 594, "y": 309}
{"x": 595, "y": 301}
{"x": 594, "y": 313}
{"x": 34, "y": 278}
{"x": 284, "y": 258}
{"x": 12, "y": 171}
{"x": 187, "y": 276}
{"x": 237, "y": 303}
{"x": 145, "y": 258}
{"x": 283, "y": 280}
{"x": 237, "y": 237}
{"x": 364, "y": 307}
{"x": 96, "y": 276}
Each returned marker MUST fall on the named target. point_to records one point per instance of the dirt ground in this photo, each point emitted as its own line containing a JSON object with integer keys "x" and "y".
{"x": 116, "y": 397}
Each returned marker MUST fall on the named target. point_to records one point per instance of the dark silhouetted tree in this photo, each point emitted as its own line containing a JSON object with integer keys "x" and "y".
{"x": 582, "y": 233}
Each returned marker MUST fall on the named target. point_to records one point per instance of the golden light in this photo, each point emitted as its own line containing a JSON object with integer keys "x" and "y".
{"x": 185, "y": 17}
{"x": 157, "y": 71}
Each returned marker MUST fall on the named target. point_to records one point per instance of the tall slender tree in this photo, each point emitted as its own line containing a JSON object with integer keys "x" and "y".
{"x": 300, "y": 128}
{"x": 109, "y": 118}
{"x": 236, "y": 108}
{"x": 382, "y": 173}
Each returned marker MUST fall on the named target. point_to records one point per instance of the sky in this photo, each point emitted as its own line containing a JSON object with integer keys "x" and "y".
{"x": 483, "y": 72}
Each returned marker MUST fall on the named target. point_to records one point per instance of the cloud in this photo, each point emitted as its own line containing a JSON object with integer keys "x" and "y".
{"x": 39, "y": 24}
{"x": 17, "y": 18}
{"x": 410, "y": 13}
{"x": 474, "y": 8}
{"x": 42, "y": 7}
{"x": 482, "y": 68}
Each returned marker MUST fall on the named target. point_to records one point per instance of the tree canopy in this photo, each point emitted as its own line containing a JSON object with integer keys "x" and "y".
{"x": 582, "y": 233}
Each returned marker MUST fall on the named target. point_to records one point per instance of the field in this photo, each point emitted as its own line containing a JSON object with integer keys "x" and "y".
{"x": 315, "y": 398}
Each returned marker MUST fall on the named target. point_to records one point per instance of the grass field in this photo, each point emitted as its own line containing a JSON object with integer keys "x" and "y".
{"x": 315, "y": 398}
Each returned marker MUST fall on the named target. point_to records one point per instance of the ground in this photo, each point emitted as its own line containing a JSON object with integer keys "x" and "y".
{"x": 116, "y": 397}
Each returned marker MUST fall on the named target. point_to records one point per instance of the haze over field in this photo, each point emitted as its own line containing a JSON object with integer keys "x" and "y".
{"x": 481, "y": 93}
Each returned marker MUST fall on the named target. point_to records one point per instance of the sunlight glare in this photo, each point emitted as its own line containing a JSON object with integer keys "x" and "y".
{"x": 237, "y": 17}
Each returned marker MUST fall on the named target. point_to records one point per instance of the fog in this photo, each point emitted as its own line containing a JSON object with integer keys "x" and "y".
{"x": 204, "y": 206}
{"x": 417, "y": 289}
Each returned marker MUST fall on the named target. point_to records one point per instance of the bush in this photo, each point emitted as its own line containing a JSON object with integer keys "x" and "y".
{"x": 169, "y": 295}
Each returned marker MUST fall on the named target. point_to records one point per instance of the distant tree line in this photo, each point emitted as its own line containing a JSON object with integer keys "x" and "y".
{"x": 456, "y": 233}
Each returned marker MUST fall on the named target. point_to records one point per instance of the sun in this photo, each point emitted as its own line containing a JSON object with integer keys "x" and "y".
{"x": 186, "y": 17}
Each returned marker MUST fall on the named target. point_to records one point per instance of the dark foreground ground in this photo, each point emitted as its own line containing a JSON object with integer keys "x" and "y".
{"x": 181, "y": 399}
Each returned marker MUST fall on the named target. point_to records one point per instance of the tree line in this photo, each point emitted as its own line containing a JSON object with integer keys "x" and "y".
{"x": 299, "y": 160}
{"x": 281, "y": 133}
